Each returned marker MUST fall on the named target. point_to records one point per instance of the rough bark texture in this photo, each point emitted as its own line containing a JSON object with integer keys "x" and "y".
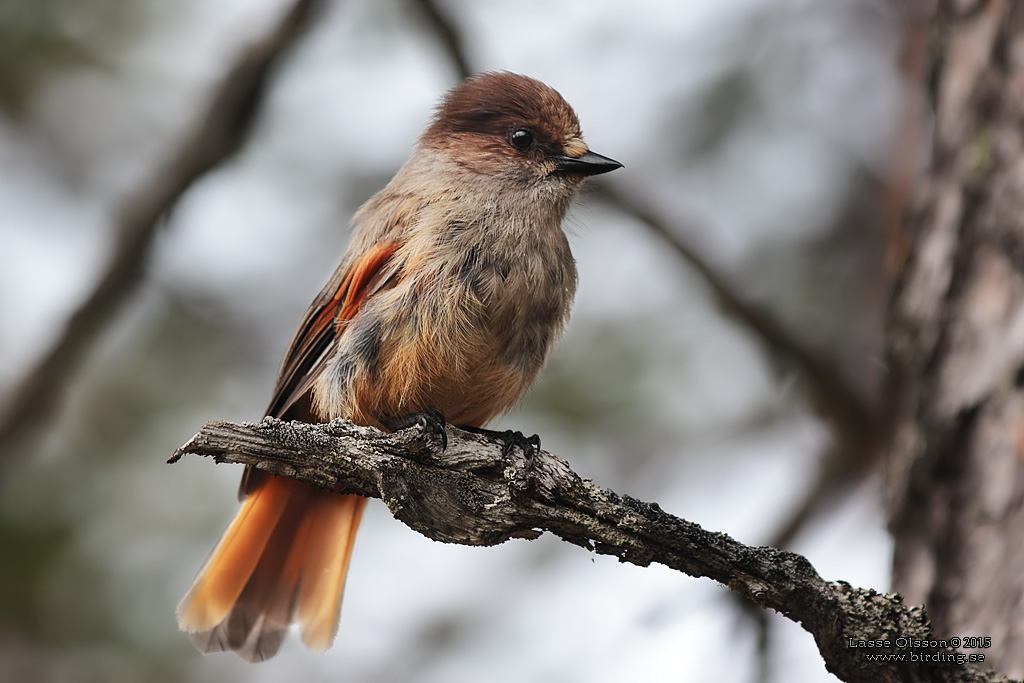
{"x": 471, "y": 494}
{"x": 956, "y": 343}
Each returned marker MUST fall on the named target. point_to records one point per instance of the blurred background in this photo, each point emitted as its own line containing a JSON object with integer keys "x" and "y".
{"x": 723, "y": 350}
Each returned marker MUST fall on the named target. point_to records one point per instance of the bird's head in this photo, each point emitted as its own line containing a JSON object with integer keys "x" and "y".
{"x": 514, "y": 128}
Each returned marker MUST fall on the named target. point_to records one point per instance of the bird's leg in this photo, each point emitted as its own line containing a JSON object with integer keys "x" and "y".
{"x": 430, "y": 420}
{"x": 529, "y": 445}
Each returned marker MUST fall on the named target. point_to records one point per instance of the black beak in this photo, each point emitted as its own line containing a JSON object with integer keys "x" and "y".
{"x": 590, "y": 163}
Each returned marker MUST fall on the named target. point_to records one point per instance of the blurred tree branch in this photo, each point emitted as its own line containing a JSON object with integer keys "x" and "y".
{"x": 219, "y": 134}
{"x": 447, "y": 35}
{"x": 833, "y": 394}
{"x": 470, "y": 494}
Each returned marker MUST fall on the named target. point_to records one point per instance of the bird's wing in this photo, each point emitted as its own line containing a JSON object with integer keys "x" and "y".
{"x": 333, "y": 309}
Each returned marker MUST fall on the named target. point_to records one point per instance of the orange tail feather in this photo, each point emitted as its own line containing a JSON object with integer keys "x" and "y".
{"x": 285, "y": 555}
{"x": 331, "y": 535}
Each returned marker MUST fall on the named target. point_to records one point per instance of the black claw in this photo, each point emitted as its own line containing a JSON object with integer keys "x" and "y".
{"x": 529, "y": 445}
{"x": 430, "y": 420}
{"x": 534, "y": 448}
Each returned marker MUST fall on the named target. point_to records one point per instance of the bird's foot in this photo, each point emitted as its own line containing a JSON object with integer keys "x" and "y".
{"x": 430, "y": 420}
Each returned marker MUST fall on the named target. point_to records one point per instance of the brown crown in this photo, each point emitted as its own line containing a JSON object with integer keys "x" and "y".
{"x": 493, "y": 104}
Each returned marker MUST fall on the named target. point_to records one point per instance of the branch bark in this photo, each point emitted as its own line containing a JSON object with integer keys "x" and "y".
{"x": 470, "y": 494}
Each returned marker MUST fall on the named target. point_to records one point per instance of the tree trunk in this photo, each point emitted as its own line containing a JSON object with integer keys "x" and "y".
{"x": 955, "y": 467}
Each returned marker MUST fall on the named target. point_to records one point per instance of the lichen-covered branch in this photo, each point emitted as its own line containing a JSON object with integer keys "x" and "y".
{"x": 470, "y": 493}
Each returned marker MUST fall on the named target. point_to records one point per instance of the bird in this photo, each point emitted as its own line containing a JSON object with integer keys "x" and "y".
{"x": 456, "y": 283}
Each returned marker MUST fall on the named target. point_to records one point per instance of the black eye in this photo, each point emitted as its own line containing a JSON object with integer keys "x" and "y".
{"x": 521, "y": 138}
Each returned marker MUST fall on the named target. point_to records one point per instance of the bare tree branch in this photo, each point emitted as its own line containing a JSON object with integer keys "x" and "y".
{"x": 470, "y": 494}
{"x": 447, "y": 36}
{"x": 220, "y": 132}
{"x": 833, "y": 394}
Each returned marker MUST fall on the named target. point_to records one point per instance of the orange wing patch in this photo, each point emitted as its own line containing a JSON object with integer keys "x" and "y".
{"x": 357, "y": 284}
{"x": 314, "y": 341}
